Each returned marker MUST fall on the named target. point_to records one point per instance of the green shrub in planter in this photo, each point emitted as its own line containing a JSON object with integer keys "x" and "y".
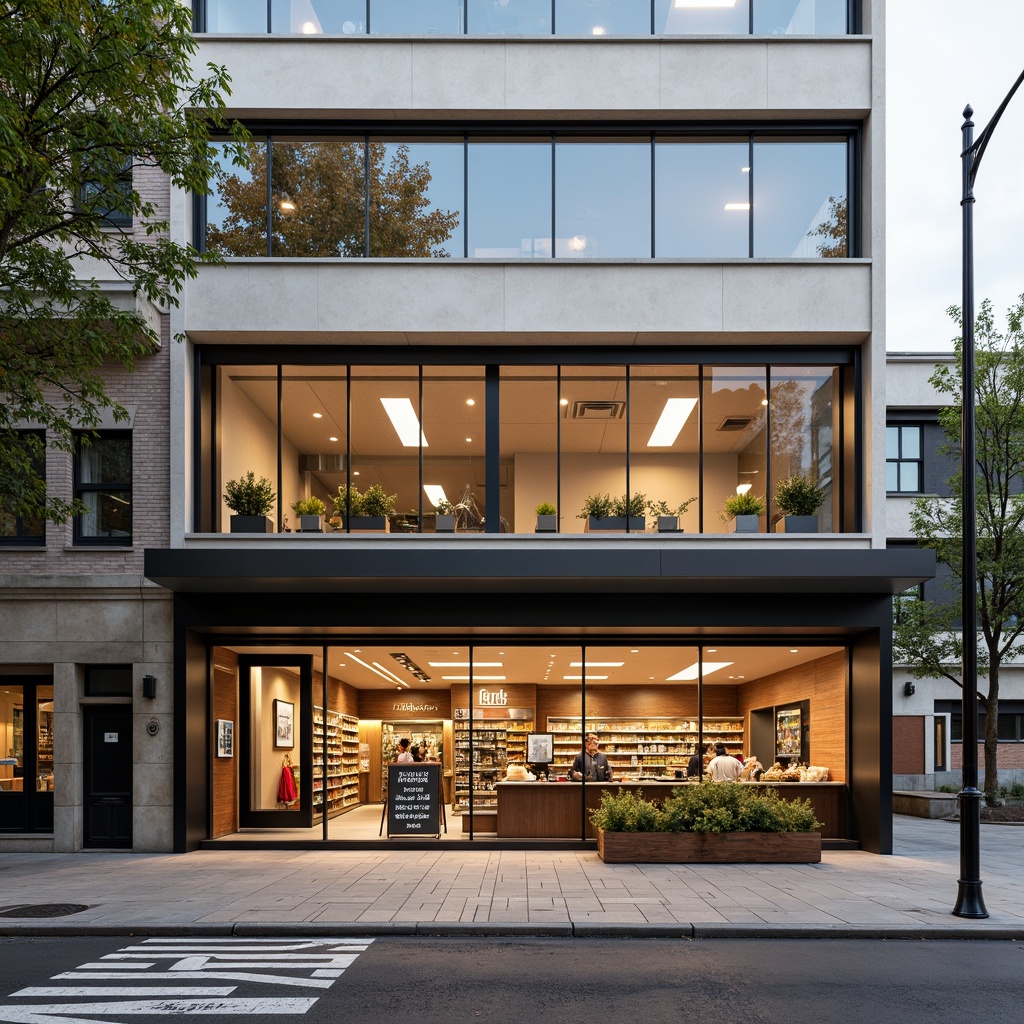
{"x": 709, "y": 807}
{"x": 377, "y": 501}
{"x": 742, "y": 505}
{"x": 309, "y": 507}
{"x": 348, "y": 502}
{"x": 545, "y": 508}
{"x": 797, "y": 496}
{"x": 248, "y": 496}
{"x": 596, "y": 506}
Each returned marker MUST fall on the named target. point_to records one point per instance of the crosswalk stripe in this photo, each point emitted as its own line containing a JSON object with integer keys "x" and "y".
{"x": 124, "y": 990}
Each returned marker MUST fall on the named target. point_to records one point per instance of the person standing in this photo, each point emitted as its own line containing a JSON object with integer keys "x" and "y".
{"x": 404, "y": 754}
{"x": 695, "y": 767}
{"x": 724, "y": 767}
{"x": 591, "y": 764}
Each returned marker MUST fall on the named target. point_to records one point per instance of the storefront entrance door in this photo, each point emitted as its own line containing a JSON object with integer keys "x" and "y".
{"x": 108, "y": 777}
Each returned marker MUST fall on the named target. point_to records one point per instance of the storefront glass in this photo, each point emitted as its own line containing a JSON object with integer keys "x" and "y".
{"x": 499, "y": 719}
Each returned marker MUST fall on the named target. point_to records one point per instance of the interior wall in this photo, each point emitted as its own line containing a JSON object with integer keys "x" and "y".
{"x": 248, "y": 441}
{"x": 224, "y": 770}
{"x": 672, "y": 700}
{"x": 672, "y": 479}
{"x": 275, "y": 683}
{"x": 824, "y": 684}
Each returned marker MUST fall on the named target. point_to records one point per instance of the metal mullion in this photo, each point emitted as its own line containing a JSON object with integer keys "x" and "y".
{"x": 465, "y": 193}
{"x": 268, "y": 155}
{"x": 654, "y": 249}
{"x": 629, "y": 445}
{"x": 366, "y": 177}
{"x": 750, "y": 18}
{"x": 323, "y": 752}
{"x": 270, "y": 29}
{"x": 348, "y": 448}
{"x": 768, "y": 448}
{"x": 554, "y": 209}
{"x": 583, "y": 736}
{"x": 419, "y": 443}
{"x": 492, "y": 448}
{"x": 750, "y": 196}
{"x": 653, "y": 2}
{"x": 553, "y": 5}
{"x": 700, "y": 449}
{"x": 558, "y": 448}
{"x": 280, "y": 443}
{"x": 469, "y": 772}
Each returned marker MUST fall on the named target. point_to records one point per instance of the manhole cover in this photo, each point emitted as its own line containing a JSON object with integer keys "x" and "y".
{"x": 45, "y": 910}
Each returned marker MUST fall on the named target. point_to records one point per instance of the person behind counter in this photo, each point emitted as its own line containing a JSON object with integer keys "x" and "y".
{"x": 724, "y": 767}
{"x": 404, "y": 754}
{"x": 590, "y": 763}
{"x": 695, "y": 766}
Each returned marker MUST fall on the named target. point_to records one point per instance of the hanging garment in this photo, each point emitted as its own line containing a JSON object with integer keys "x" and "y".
{"x": 286, "y": 792}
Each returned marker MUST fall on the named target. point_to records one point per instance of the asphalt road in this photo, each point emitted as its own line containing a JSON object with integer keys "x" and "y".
{"x": 565, "y": 981}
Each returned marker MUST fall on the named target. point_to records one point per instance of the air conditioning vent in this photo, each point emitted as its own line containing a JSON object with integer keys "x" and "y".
{"x": 735, "y": 423}
{"x": 591, "y": 410}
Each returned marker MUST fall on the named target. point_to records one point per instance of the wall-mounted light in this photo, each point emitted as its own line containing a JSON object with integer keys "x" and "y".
{"x": 149, "y": 687}
{"x": 909, "y": 689}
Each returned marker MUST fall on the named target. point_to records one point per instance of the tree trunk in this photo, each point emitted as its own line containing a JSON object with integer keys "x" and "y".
{"x": 992, "y": 737}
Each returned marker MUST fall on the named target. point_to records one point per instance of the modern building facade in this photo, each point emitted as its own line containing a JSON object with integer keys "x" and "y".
{"x": 927, "y": 713}
{"x": 486, "y": 258}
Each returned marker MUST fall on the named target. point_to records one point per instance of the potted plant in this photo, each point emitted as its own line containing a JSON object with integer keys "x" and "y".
{"x": 668, "y": 518}
{"x": 444, "y": 521}
{"x": 310, "y": 512}
{"x": 798, "y": 499}
{"x": 710, "y": 822}
{"x": 366, "y": 512}
{"x": 251, "y": 500}
{"x": 547, "y": 518}
{"x": 603, "y": 512}
{"x": 743, "y": 512}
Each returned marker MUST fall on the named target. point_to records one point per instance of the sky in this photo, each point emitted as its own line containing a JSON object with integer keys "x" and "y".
{"x": 940, "y": 56}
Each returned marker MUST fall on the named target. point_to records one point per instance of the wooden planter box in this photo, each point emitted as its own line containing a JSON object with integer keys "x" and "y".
{"x": 251, "y": 524}
{"x": 694, "y": 848}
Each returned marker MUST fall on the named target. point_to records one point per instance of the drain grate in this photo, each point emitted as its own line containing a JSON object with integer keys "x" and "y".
{"x": 44, "y": 910}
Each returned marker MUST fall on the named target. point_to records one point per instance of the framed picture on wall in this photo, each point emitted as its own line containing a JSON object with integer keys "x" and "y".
{"x": 787, "y": 732}
{"x": 225, "y": 738}
{"x": 284, "y": 724}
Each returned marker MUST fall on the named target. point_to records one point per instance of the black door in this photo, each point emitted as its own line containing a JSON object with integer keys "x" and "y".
{"x": 108, "y": 777}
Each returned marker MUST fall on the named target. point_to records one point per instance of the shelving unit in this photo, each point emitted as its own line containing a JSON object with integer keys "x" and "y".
{"x": 642, "y": 746}
{"x": 494, "y": 745}
{"x": 336, "y": 783}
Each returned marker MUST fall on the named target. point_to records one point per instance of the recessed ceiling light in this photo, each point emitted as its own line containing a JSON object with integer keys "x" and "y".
{"x": 596, "y": 664}
{"x": 405, "y": 421}
{"x": 476, "y": 678}
{"x": 691, "y": 671}
{"x": 793, "y": 650}
{"x": 355, "y": 472}
{"x": 469, "y": 439}
{"x": 589, "y": 677}
{"x": 465, "y": 664}
{"x": 673, "y": 418}
{"x": 764, "y": 401}
{"x": 318, "y": 415}
{"x": 564, "y": 401}
{"x": 712, "y": 650}
{"x": 470, "y": 401}
{"x": 634, "y": 651}
{"x": 332, "y": 439}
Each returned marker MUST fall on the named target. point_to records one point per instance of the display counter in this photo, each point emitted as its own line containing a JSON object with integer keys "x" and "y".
{"x": 551, "y": 810}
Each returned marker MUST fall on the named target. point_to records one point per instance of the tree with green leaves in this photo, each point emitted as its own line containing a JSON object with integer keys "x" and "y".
{"x": 91, "y": 91}
{"x": 927, "y": 636}
{"x": 319, "y": 203}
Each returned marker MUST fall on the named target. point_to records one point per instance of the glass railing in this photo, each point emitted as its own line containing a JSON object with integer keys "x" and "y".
{"x": 529, "y": 17}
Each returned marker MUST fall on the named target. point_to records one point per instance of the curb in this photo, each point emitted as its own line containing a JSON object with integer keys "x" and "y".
{"x": 513, "y": 929}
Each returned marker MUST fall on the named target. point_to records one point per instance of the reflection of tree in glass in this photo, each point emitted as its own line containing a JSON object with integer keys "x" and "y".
{"x": 834, "y": 230}
{"x": 790, "y": 437}
{"x": 319, "y": 196}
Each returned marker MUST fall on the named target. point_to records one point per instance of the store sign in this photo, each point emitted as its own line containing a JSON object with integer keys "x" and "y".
{"x": 492, "y": 698}
{"x": 110, "y": 737}
{"x": 414, "y": 800}
{"x": 411, "y": 706}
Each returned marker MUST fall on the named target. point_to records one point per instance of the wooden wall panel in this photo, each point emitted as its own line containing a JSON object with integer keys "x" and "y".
{"x": 908, "y": 745}
{"x": 823, "y": 684}
{"x": 404, "y": 706}
{"x": 224, "y": 770}
{"x": 669, "y": 700}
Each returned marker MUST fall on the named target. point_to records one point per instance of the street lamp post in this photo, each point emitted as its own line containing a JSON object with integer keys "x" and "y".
{"x": 969, "y": 900}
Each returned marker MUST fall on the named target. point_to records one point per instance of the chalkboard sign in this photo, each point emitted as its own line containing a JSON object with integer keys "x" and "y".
{"x": 414, "y": 799}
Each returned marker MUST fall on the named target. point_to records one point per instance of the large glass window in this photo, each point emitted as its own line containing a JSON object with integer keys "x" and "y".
{"x": 103, "y": 481}
{"x": 318, "y": 193}
{"x": 416, "y": 198}
{"x": 734, "y": 423}
{"x": 679, "y": 439}
{"x": 529, "y": 17}
{"x": 16, "y": 527}
{"x": 602, "y": 198}
{"x": 491, "y": 196}
{"x": 703, "y": 197}
{"x": 509, "y": 192}
{"x": 800, "y": 198}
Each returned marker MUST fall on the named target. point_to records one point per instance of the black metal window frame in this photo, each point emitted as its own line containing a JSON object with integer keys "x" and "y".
{"x": 95, "y": 486}
{"x": 1010, "y": 727}
{"x": 899, "y": 461}
{"x": 111, "y": 218}
{"x": 20, "y": 537}
{"x": 207, "y": 499}
{"x": 754, "y": 132}
{"x": 853, "y": 20}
